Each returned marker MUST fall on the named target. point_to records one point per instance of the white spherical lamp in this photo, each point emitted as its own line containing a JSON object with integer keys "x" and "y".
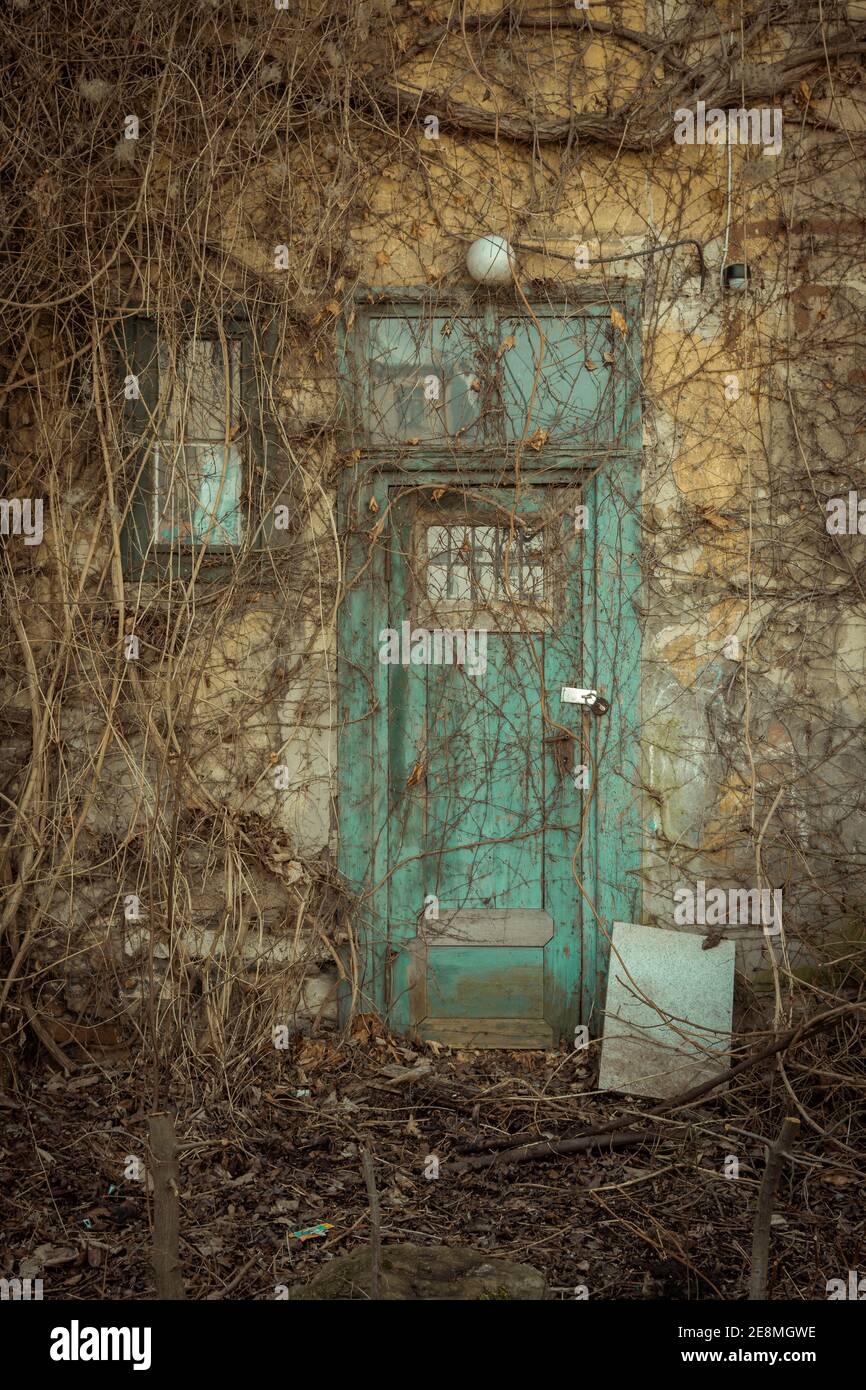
{"x": 491, "y": 261}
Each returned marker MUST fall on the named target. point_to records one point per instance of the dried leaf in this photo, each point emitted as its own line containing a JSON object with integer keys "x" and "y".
{"x": 373, "y": 505}
{"x": 539, "y": 439}
{"x": 416, "y": 775}
{"x": 839, "y": 1179}
{"x": 241, "y": 1180}
{"x": 382, "y": 258}
{"x": 618, "y": 321}
{"x": 49, "y": 1256}
{"x": 590, "y": 365}
{"x": 505, "y": 345}
{"x": 332, "y": 307}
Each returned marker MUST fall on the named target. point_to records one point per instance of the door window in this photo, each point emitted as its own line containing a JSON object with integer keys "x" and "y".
{"x": 478, "y": 564}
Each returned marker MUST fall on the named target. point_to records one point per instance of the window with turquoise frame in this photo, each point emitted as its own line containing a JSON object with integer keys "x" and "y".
{"x": 484, "y": 377}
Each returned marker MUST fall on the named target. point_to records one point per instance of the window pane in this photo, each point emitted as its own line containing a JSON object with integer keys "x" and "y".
{"x": 199, "y": 385}
{"x": 425, "y": 378}
{"x": 484, "y": 563}
{"x": 573, "y": 395}
{"x": 198, "y": 495}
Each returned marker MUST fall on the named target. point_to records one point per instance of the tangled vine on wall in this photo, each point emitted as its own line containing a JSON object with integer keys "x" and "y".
{"x": 304, "y": 128}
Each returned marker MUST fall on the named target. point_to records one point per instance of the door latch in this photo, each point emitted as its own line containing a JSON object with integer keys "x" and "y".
{"x": 562, "y": 748}
{"x": 574, "y": 695}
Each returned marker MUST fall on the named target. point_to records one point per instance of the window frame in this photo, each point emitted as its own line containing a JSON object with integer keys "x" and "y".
{"x": 144, "y": 557}
{"x": 547, "y": 301}
{"x": 496, "y": 614}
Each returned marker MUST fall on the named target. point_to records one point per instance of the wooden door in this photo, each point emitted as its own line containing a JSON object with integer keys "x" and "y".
{"x": 485, "y": 790}
{"x": 490, "y": 833}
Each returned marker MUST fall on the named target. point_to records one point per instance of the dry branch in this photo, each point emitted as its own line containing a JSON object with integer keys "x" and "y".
{"x": 639, "y": 124}
{"x": 764, "y": 1212}
{"x": 375, "y": 1224}
{"x": 166, "y": 1207}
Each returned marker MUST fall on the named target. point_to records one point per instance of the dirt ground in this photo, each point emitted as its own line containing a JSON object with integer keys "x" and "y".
{"x": 660, "y": 1220}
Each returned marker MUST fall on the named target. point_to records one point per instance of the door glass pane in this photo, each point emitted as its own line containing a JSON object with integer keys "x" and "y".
{"x": 426, "y": 379}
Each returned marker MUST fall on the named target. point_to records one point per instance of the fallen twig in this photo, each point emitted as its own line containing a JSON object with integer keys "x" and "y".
{"x": 764, "y": 1210}
{"x": 375, "y": 1225}
{"x": 235, "y": 1280}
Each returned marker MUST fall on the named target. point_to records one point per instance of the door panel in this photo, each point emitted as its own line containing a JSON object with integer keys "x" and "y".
{"x": 485, "y": 778}
{"x": 485, "y": 818}
{"x": 485, "y": 981}
{"x": 489, "y": 927}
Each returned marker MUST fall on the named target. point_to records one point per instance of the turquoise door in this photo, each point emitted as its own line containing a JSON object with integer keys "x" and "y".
{"x": 485, "y": 789}
{"x": 489, "y": 829}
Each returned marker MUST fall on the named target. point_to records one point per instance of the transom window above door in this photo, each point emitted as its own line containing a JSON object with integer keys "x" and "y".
{"x": 485, "y": 378}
